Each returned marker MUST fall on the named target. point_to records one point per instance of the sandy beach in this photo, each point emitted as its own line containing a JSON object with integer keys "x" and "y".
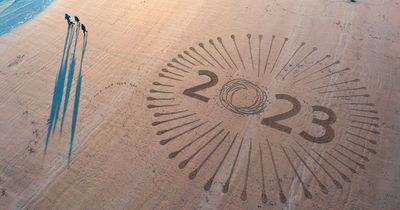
{"x": 230, "y": 104}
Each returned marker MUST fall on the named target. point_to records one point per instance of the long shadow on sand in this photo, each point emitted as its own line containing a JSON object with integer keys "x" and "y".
{"x": 77, "y": 97}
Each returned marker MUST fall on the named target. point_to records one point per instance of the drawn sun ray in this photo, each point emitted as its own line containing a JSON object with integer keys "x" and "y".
{"x": 353, "y": 152}
{"x": 165, "y": 141}
{"x": 341, "y": 90}
{"x": 334, "y": 181}
{"x": 361, "y": 137}
{"x": 219, "y": 53}
{"x": 161, "y": 132}
{"x": 226, "y": 51}
{"x": 349, "y": 158}
{"x": 225, "y": 188}
{"x": 185, "y": 59}
{"x": 344, "y": 176}
{"x": 307, "y": 193}
{"x": 174, "y": 154}
{"x": 208, "y": 53}
{"x": 193, "y": 174}
{"x": 180, "y": 63}
{"x": 264, "y": 198}
{"x": 312, "y": 66}
{"x": 171, "y": 72}
{"x": 183, "y": 163}
{"x": 337, "y": 84}
{"x": 314, "y": 49}
{"x": 269, "y": 53}
{"x": 177, "y": 68}
{"x": 158, "y": 114}
{"x": 290, "y": 59}
{"x": 324, "y": 189}
{"x": 342, "y": 163}
{"x": 203, "y": 96}
{"x": 207, "y": 186}
{"x": 187, "y": 53}
{"x": 243, "y": 196}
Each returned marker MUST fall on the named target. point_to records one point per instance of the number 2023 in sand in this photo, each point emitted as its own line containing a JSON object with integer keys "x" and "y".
{"x": 272, "y": 121}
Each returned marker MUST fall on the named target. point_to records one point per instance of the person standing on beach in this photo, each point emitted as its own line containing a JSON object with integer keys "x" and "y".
{"x": 84, "y": 29}
{"x": 77, "y": 19}
{"x": 68, "y": 18}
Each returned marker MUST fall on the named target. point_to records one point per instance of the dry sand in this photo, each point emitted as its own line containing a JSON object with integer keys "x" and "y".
{"x": 118, "y": 162}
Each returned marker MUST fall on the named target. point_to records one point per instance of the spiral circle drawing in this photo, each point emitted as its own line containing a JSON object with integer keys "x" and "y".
{"x": 232, "y": 87}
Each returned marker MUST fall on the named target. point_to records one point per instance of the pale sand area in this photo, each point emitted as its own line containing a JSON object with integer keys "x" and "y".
{"x": 118, "y": 162}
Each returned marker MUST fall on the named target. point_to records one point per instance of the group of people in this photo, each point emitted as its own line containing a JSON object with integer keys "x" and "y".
{"x": 71, "y": 22}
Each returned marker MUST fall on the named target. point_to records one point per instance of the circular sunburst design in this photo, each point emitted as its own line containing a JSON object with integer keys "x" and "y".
{"x": 275, "y": 107}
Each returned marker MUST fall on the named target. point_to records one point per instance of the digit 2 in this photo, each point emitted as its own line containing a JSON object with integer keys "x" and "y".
{"x": 272, "y": 121}
{"x": 191, "y": 92}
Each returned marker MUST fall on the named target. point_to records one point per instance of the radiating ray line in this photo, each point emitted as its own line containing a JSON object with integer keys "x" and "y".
{"x": 279, "y": 54}
{"x": 159, "y": 91}
{"x": 219, "y": 52}
{"x": 161, "y": 84}
{"x": 341, "y": 90}
{"x": 360, "y": 104}
{"x": 195, "y": 51}
{"x": 243, "y": 196}
{"x": 307, "y": 193}
{"x": 225, "y": 188}
{"x": 152, "y": 106}
{"x": 264, "y": 198}
{"x": 167, "y": 71}
{"x": 328, "y": 75}
{"x": 344, "y": 176}
{"x": 185, "y": 59}
{"x": 364, "y": 129}
{"x": 335, "y": 84}
{"x": 362, "y": 146}
{"x": 364, "y": 110}
{"x": 180, "y": 63}
{"x": 168, "y": 77}
{"x": 174, "y": 154}
{"x": 165, "y": 141}
{"x": 159, "y": 99}
{"x": 344, "y": 164}
{"x": 171, "y": 119}
{"x": 204, "y": 48}
{"x": 177, "y": 68}
{"x": 323, "y": 188}
{"x": 290, "y": 59}
{"x": 351, "y": 159}
{"x": 301, "y": 61}
{"x": 335, "y": 182}
{"x": 251, "y": 50}
{"x": 365, "y": 123}
{"x": 361, "y": 137}
{"x": 187, "y": 53}
{"x": 183, "y": 163}
{"x": 368, "y": 117}
{"x": 161, "y": 132}
{"x": 193, "y": 174}
{"x": 355, "y": 153}
{"x": 260, "y": 36}
{"x": 207, "y": 186}
{"x": 351, "y": 96}
{"x": 269, "y": 53}
{"x": 237, "y": 50}
{"x": 169, "y": 113}
{"x": 226, "y": 51}
{"x": 314, "y": 64}
{"x": 319, "y": 70}
{"x": 282, "y": 196}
